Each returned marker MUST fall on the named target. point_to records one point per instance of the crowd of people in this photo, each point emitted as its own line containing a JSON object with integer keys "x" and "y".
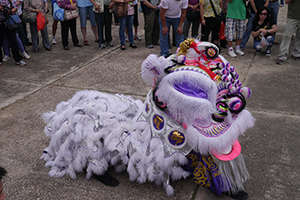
{"x": 159, "y": 16}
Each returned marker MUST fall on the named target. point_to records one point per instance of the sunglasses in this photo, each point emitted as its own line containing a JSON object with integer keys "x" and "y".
{"x": 264, "y": 14}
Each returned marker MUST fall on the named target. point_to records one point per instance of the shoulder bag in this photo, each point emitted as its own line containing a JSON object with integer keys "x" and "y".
{"x": 192, "y": 15}
{"x": 29, "y": 17}
{"x": 121, "y": 9}
{"x": 13, "y": 22}
{"x": 58, "y": 13}
{"x": 219, "y": 17}
{"x": 70, "y": 14}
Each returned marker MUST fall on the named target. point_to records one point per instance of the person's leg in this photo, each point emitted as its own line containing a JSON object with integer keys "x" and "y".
{"x": 248, "y": 31}
{"x": 34, "y": 36}
{"x": 206, "y": 29}
{"x": 186, "y": 28}
{"x": 286, "y": 39}
{"x": 178, "y": 37}
{"x": 83, "y": 16}
{"x": 65, "y": 33}
{"x": 155, "y": 28}
{"x": 54, "y": 29}
{"x": 257, "y": 46}
{"x": 229, "y": 32}
{"x": 45, "y": 37}
{"x": 11, "y": 36}
{"x": 2, "y": 26}
{"x": 107, "y": 22}
{"x": 195, "y": 28}
{"x": 20, "y": 44}
{"x": 21, "y": 32}
{"x": 240, "y": 29}
{"x": 274, "y": 9}
{"x": 93, "y": 22}
{"x": 73, "y": 31}
{"x": 122, "y": 22}
{"x": 148, "y": 21}
{"x": 5, "y": 46}
{"x": 215, "y": 31}
{"x": 136, "y": 22}
{"x": 164, "y": 44}
{"x": 99, "y": 27}
{"x": 129, "y": 23}
{"x": 296, "y": 51}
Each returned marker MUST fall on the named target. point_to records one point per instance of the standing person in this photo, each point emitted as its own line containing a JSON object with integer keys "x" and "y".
{"x": 2, "y": 174}
{"x": 263, "y": 26}
{"x": 208, "y": 19}
{"x": 255, "y": 5}
{"x": 98, "y": 10}
{"x": 136, "y": 21}
{"x": 38, "y": 6}
{"x": 274, "y": 9}
{"x": 85, "y": 8}
{"x": 171, "y": 13}
{"x": 68, "y": 24}
{"x": 223, "y": 42}
{"x": 106, "y": 21}
{"x": 126, "y": 22}
{"x": 150, "y": 10}
{"x": 292, "y": 22}
{"x": 22, "y": 32}
{"x": 194, "y": 9}
{"x": 235, "y": 20}
{"x": 11, "y": 35}
{"x": 54, "y": 25}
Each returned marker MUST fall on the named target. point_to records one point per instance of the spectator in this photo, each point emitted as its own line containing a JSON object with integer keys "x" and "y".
{"x": 6, "y": 45}
{"x": 223, "y": 42}
{"x": 194, "y": 9}
{"x": 136, "y": 21}
{"x": 85, "y": 8}
{"x": 292, "y": 22}
{"x": 255, "y": 5}
{"x": 38, "y": 6}
{"x": 171, "y": 13}
{"x": 208, "y": 19}
{"x": 68, "y": 24}
{"x": 235, "y": 20}
{"x": 54, "y": 25}
{"x": 263, "y": 26}
{"x": 150, "y": 10}
{"x": 11, "y": 35}
{"x": 2, "y": 174}
{"x": 22, "y": 32}
{"x": 98, "y": 9}
{"x": 274, "y": 9}
{"x": 106, "y": 21}
{"x": 127, "y": 22}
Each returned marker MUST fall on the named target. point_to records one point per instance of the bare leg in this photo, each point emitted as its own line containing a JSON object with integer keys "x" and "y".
{"x": 229, "y": 44}
{"x": 54, "y": 27}
{"x": 83, "y": 31}
{"x": 94, "y": 29}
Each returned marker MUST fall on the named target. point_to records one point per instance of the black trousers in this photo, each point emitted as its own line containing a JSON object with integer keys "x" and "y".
{"x": 65, "y": 26}
{"x": 106, "y": 18}
{"x": 11, "y": 36}
{"x": 211, "y": 26}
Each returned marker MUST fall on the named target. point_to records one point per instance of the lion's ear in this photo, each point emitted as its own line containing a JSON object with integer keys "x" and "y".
{"x": 153, "y": 68}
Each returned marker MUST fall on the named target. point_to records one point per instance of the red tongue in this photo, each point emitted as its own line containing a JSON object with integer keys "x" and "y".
{"x": 235, "y": 151}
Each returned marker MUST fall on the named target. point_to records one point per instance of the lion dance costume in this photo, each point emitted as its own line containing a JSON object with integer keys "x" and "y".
{"x": 188, "y": 125}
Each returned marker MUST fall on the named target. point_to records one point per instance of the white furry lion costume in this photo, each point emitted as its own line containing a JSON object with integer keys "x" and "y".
{"x": 194, "y": 113}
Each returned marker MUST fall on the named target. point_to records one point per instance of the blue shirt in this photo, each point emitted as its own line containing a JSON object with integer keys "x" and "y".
{"x": 84, "y": 3}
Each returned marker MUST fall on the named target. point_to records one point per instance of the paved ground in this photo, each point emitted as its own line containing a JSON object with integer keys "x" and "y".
{"x": 271, "y": 148}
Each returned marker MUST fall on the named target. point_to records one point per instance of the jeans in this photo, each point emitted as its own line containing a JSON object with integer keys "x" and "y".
{"x": 83, "y": 12}
{"x": 164, "y": 43}
{"x": 248, "y": 31}
{"x": 6, "y": 45}
{"x": 274, "y": 9}
{"x": 99, "y": 23}
{"x": 258, "y": 47}
{"x": 289, "y": 30}
{"x": 126, "y": 22}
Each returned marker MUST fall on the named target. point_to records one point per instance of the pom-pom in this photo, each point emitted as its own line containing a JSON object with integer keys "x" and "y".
{"x": 169, "y": 190}
{"x": 181, "y": 59}
{"x": 235, "y": 103}
{"x": 246, "y": 92}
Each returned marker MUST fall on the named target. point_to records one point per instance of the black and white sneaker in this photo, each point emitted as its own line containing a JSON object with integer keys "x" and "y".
{"x": 268, "y": 52}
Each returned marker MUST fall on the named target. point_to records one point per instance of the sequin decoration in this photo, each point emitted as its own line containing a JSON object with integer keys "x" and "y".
{"x": 158, "y": 122}
{"x": 176, "y": 138}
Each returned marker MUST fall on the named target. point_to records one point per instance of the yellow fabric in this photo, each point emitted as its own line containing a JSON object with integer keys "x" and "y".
{"x": 207, "y": 9}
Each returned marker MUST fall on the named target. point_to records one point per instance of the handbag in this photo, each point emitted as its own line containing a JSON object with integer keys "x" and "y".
{"x": 248, "y": 10}
{"x": 219, "y": 17}
{"x": 29, "y": 17}
{"x": 13, "y": 22}
{"x": 121, "y": 9}
{"x": 192, "y": 15}
{"x": 58, "y": 13}
{"x": 70, "y": 14}
{"x": 40, "y": 21}
{"x": 222, "y": 31}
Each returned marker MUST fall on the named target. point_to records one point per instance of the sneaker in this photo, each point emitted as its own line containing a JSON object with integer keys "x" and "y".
{"x": 6, "y": 58}
{"x": 231, "y": 53}
{"x": 268, "y": 52}
{"x": 111, "y": 44}
{"x": 295, "y": 58}
{"x": 21, "y": 63}
{"x": 149, "y": 46}
{"x": 137, "y": 37}
{"x": 102, "y": 46}
{"x": 0, "y": 63}
{"x": 53, "y": 41}
{"x": 258, "y": 51}
{"x": 25, "y": 55}
{"x": 239, "y": 51}
{"x": 280, "y": 61}
{"x": 126, "y": 39}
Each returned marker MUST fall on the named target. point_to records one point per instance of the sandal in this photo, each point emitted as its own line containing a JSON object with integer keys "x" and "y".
{"x": 86, "y": 43}
{"x": 133, "y": 45}
{"x": 123, "y": 47}
{"x": 35, "y": 51}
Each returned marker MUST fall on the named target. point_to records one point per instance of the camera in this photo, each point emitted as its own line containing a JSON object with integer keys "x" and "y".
{"x": 6, "y": 11}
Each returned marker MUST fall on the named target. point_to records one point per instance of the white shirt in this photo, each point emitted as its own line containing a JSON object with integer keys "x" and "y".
{"x": 173, "y": 7}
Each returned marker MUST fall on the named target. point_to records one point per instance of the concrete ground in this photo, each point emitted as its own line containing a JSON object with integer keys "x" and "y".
{"x": 270, "y": 149}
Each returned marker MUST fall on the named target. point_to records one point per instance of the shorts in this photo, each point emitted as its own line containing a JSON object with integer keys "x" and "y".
{"x": 83, "y": 12}
{"x": 240, "y": 25}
